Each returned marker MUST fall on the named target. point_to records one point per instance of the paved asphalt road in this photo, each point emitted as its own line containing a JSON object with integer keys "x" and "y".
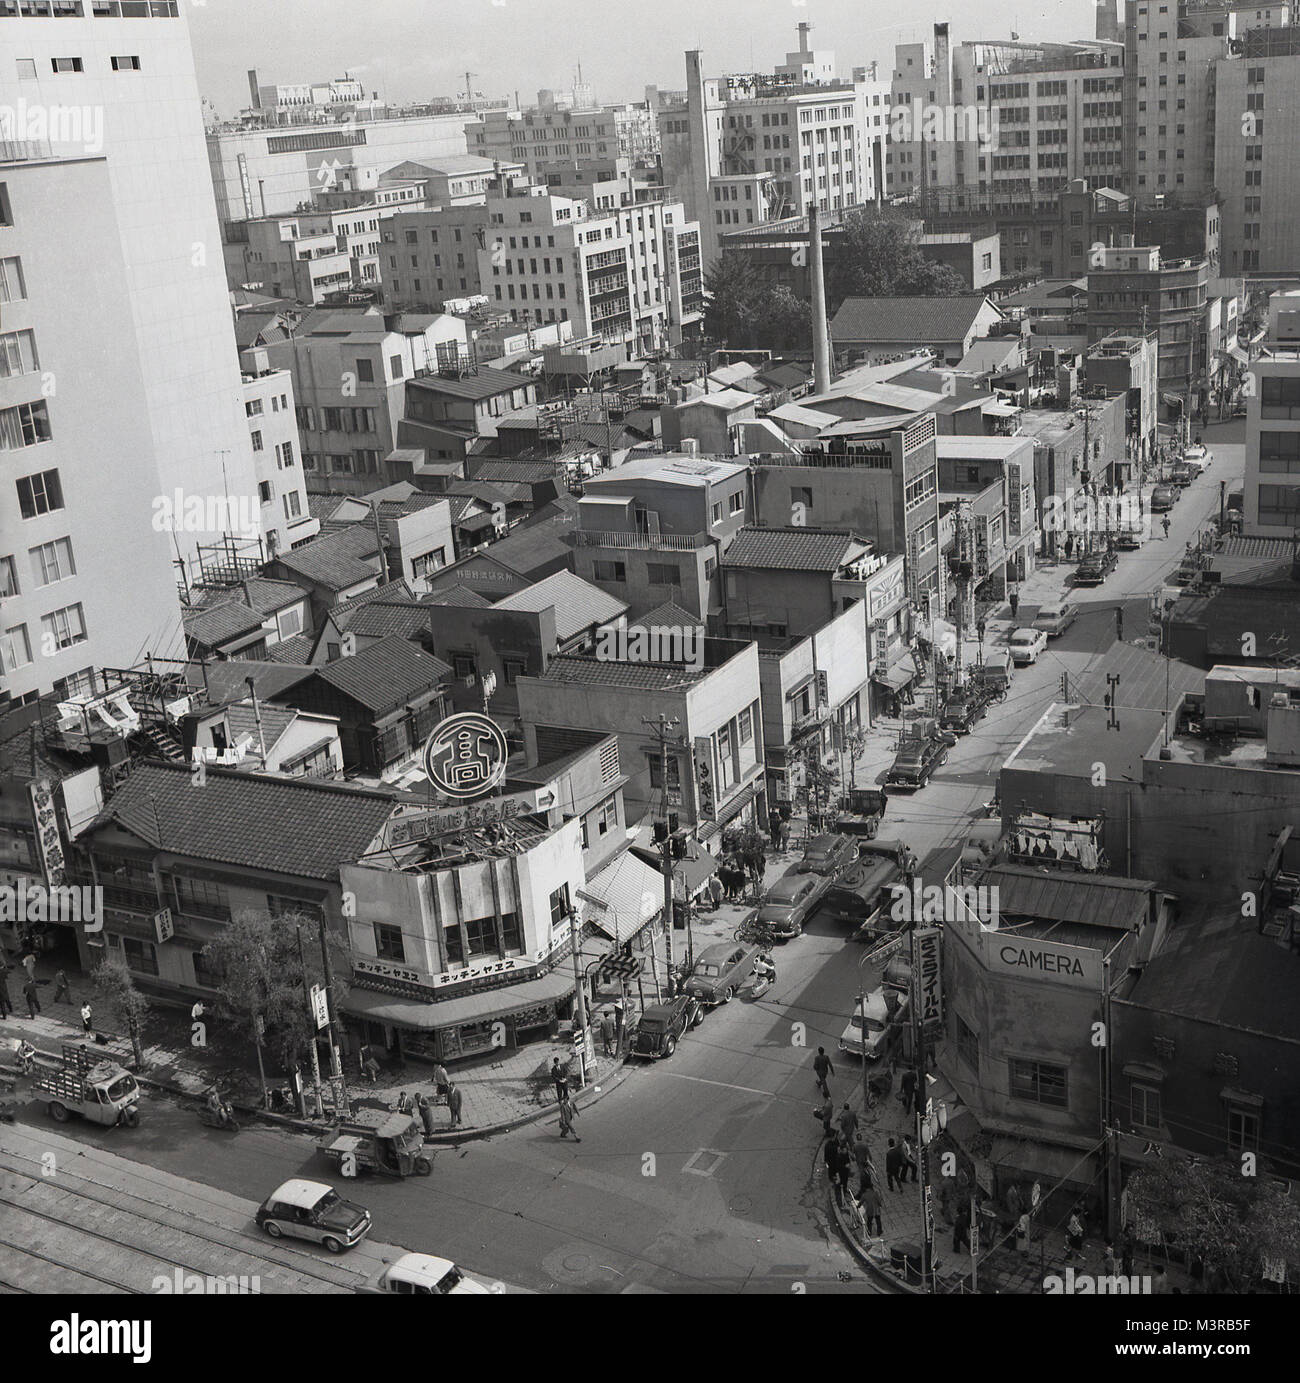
{"x": 695, "y": 1174}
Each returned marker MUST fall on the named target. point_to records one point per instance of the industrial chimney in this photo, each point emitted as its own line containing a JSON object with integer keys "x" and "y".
{"x": 821, "y": 336}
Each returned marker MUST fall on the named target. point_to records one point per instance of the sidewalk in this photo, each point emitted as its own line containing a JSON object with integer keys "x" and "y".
{"x": 1001, "y": 1269}
{"x": 498, "y": 1093}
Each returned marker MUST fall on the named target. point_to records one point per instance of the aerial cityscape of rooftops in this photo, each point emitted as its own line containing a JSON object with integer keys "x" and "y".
{"x": 694, "y": 694}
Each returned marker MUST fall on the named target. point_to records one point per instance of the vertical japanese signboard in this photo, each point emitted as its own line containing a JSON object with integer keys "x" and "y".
{"x": 929, "y": 971}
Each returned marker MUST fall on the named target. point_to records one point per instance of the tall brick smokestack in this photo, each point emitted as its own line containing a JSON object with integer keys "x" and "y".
{"x": 821, "y": 336}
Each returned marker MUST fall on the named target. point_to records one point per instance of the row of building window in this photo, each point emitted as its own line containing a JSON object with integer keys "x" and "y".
{"x": 60, "y": 629}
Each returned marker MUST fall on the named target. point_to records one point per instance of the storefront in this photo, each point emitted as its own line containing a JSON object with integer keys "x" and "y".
{"x": 462, "y": 1013}
{"x": 892, "y": 678}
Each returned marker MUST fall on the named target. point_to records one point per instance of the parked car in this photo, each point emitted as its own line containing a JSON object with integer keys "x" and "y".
{"x": 790, "y": 901}
{"x": 663, "y": 1025}
{"x": 312, "y": 1210}
{"x": 1181, "y": 475}
{"x": 965, "y": 708}
{"x": 1026, "y": 645}
{"x": 861, "y": 810}
{"x": 874, "y": 1024}
{"x": 1056, "y": 617}
{"x": 1095, "y": 568}
{"x": 1163, "y": 498}
{"x": 720, "y": 971}
{"x": 423, "y": 1275}
{"x": 827, "y": 853}
{"x": 1198, "y": 456}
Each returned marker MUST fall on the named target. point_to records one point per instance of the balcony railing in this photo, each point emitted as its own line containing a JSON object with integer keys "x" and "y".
{"x": 643, "y": 542}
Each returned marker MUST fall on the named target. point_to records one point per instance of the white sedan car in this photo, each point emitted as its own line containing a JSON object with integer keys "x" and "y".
{"x": 1197, "y": 456}
{"x": 1026, "y": 645}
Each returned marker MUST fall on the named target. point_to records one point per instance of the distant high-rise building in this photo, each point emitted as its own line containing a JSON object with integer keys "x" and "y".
{"x": 751, "y": 147}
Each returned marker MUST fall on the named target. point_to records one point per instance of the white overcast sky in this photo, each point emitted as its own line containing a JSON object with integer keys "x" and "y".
{"x": 412, "y": 49}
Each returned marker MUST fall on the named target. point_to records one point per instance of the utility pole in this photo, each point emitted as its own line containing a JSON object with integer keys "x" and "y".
{"x": 922, "y": 1159}
{"x": 336, "y": 1061}
{"x": 661, "y": 726}
{"x": 315, "y": 1055}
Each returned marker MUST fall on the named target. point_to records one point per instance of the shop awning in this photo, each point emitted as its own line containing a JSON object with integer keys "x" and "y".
{"x": 450, "y": 1013}
{"x": 476, "y": 523}
{"x": 1047, "y": 1164}
{"x": 898, "y": 674}
{"x": 999, "y": 409}
{"x": 623, "y": 897}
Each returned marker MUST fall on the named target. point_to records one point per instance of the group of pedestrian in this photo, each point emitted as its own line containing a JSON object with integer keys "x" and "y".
{"x": 31, "y": 991}
{"x": 733, "y": 875}
{"x": 900, "y": 1162}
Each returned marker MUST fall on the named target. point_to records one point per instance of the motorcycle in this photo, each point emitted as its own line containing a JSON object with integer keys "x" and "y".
{"x": 222, "y": 1118}
{"x": 763, "y": 981}
{"x": 878, "y": 1087}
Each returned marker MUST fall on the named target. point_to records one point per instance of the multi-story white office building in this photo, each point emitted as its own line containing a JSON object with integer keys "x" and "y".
{"x": 126, "y": 69}
{"x": 799, "y": 131}
{"x": 627, "y": 273}
{"x": 86, "y": 577}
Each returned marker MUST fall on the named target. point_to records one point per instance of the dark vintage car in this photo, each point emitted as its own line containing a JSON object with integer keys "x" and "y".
{"x": 965, "y": 708}
{"x": 826, "y": 854}
{"x": 663, "y": 1025}
{"x": 790, "y": 902}
{"x": 1162, "y": 498}
{"x": 720, "y": 971}
{"x": 1182, "y": 475}
{"x": 1127, "y": 539}
{"x": 917, "y": 758}
{"x": 1095, "y": 568}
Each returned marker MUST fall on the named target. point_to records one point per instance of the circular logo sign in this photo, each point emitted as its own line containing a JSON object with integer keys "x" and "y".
{"x": 466, "y": 756}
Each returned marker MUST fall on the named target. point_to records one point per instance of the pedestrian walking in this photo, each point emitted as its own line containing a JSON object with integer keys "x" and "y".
{"x": 909, "y": 1089}
{"x": 848, "y": 1124}
{"x": 453, "y": 1104}
{"x": 33, "y": 1000}
{"x": 826, "y": 1113}
{"x": 29, "y": 964}
{"x": 822, "y": 1068}
{"x": 404, "y": 1105}
{"x": 441, "y": 1080}
{"x": 909, "y": 1159}
{"x": 6, "y": 1005}
{"x": 560, "y": 1080}
{"x": 857, "y": 1219}
{"x": 1074, "y": 1236}
{"x": 61, "y": 989}
{"x": 1022, "y": 1233}
{"x": 426, "y": 1114}
{"x": 894, "y": 1160}
{"x": 1014, "y": 601}
{"x": 607, "y": 1032}
{"x": 85, "y": 1016}
{"x": 862, "y": 1157}
{"x": 196, "y": 1012}
{"x": 869, "y": 1198}
{"x": 568, "y": 1113}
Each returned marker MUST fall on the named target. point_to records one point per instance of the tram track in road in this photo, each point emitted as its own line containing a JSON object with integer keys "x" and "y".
{"x": 120, "y": 1221}
{"x": 52, "y": 1274}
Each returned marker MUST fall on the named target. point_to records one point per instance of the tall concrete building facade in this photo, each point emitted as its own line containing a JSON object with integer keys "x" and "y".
{"x": 798, "y": 137}
{"x": 129, "y": 69}
{"x": 86, "y": 580}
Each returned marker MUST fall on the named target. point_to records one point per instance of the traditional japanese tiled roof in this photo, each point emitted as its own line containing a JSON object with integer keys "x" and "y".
{"x": 790, "y": 549}
{"x": 385, "y": 675}
{"x": 578, "y": 604}
{"x": 290, "y": 826}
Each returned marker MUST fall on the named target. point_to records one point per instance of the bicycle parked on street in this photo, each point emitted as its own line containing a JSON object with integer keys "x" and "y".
{"x": 754, "y": 932}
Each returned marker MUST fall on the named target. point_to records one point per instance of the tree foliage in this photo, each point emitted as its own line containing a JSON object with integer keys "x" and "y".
{"x": 127, "y": 1008}
{"x": 747, "y": 312}
{"x": 1228, "y": 1220}
{"x": 878, "y": 255}
{"x": 261, "y": 976}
